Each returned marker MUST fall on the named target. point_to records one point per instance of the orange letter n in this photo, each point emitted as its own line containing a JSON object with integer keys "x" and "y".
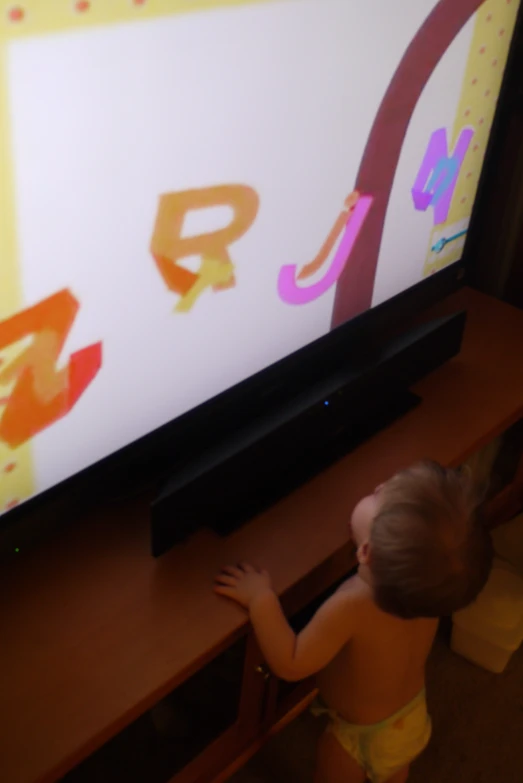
{"x": 41, "y": 394}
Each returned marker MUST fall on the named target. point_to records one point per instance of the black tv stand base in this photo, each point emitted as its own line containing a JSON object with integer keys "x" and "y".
{"x": 274, "y": 454}
{"x": 311, "y": 453}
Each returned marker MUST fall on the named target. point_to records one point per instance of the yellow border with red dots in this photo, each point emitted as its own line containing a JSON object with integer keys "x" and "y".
{"x": 16, "y": 467}
{"x": 494, "y": 26}
{"x": 28, "y": 18}
{"x": 39, "y": 17}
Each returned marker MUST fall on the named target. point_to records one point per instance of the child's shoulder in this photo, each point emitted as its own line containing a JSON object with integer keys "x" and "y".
{"x": 355, "y": 591}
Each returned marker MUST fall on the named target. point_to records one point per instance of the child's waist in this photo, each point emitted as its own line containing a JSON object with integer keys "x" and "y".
{"x": 383, "y": 715}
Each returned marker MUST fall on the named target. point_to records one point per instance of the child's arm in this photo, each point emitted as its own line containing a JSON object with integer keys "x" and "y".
{"x": 291, "y": 657}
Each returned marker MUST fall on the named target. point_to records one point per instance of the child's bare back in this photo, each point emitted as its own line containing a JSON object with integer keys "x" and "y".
{"x": 382, "y": 668}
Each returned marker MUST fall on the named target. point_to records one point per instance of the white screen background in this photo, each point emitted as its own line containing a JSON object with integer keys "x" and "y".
{"x": 278, "y": 96}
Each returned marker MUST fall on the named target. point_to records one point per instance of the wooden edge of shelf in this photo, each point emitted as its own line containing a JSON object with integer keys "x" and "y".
{"x": 240, "y": 762}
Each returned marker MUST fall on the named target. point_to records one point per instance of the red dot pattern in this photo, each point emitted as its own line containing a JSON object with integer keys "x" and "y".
{"x": 12, "y": 504}
{"x": 494, "y": 65}
{"x": 16, "y": 14}
{"x": 82, "y": 6}
{"x": 10, "y": 467}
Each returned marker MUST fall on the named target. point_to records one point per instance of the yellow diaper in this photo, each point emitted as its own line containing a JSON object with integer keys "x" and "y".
{"x": 385, "y": 748}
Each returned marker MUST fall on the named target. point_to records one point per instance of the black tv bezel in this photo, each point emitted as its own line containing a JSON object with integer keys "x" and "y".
{"x": 154, "y": 456}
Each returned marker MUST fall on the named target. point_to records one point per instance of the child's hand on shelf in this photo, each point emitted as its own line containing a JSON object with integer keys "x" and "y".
{"x": 243, "y": 584}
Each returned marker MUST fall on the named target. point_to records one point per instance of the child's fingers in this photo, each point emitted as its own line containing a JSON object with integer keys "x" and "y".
{"x": 233, "y": 571}
{"x": 247, "y": 567}
{"x": 225, "y": 579}
{"x": 226, "y": 592}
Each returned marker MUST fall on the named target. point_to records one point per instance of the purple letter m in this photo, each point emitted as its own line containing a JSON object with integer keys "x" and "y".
{"x": 438, "y": 175}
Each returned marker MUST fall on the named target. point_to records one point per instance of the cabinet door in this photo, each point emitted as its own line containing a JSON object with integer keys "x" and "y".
{"x": 235, "y": 742}
{"x": 257, "y": 681}
{"x": 284, "y": 697}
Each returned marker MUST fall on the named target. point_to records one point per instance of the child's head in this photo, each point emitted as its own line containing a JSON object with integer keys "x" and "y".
{"x": 420, "y": 537}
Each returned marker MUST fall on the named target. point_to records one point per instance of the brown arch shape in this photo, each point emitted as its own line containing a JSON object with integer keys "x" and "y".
{"x": 382, "y": 153}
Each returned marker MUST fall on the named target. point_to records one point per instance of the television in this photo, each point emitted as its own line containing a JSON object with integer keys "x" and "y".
{"x": 200, "y": 200}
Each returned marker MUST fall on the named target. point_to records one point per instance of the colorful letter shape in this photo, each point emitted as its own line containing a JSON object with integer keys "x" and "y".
{"x": 42, "y": 394}
{"x": 293, "y": 294}
{"x": 169, "y": 247}
{"x": 438, "y": 175}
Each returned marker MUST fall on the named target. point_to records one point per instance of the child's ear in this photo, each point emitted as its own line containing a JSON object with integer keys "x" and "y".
{"x": 363, "y": 554}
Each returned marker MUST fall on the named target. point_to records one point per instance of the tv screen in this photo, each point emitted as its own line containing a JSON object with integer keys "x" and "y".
{"x": 192, "y": 191}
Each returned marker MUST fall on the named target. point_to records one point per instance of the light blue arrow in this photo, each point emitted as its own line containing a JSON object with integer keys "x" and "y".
{"x": 442, "y": 244}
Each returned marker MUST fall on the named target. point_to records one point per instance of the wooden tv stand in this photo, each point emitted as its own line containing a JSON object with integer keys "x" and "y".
{"x": 95, "y": 632}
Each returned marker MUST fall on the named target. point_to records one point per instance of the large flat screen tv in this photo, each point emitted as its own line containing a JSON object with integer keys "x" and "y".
{"x": 193, "y": 191}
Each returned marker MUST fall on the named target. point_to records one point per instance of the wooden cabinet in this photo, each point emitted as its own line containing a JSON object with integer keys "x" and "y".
{"x": 199, "y": 730}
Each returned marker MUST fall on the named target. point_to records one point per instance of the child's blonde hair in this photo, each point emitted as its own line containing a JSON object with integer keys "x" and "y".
{"x": 429, "y": 554}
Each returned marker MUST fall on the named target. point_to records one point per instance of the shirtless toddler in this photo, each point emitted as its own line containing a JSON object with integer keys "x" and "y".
{"x": 422, "y": 554}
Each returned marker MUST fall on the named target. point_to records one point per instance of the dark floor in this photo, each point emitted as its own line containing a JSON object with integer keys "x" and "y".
{"x": 478, "y": 730}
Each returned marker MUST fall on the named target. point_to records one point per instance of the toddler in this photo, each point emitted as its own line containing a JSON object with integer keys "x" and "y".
{"x": 422, "y": 554}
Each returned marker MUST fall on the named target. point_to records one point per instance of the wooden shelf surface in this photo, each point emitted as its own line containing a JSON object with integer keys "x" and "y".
{"x": 94, "y": 631}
